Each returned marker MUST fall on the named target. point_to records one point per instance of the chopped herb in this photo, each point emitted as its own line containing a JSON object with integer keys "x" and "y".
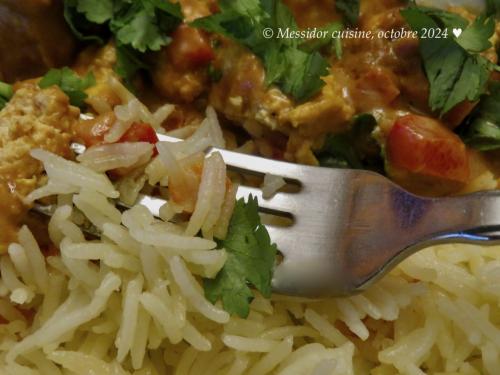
{"x": 482, "y": 129}
{"x": 251, "y": 259}
{"x": 476, "y": 37}
{"x": 128, "y": 63}
{"x": 455, "y": 70}
{"x": 334, "y": 44}
{"x": 354, "y": 149}
{"x": 70, "y": 83}
{"x": 137, "y": 26}
{"x": 6, "y": 93}
{"x": 145, "y": 25}
{"x": 76, "y": 16}
{"x": 97, "y": 11}
{"x": 350, "y": 9}
{"x": 297, "y": 72}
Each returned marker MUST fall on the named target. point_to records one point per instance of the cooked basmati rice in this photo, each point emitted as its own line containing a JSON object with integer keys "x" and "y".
{"x": 106, "y": 157}
{"x": 131, "y": 301}
{"x": 271, "y": 185}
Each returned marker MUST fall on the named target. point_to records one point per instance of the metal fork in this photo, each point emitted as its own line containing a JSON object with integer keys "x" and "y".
{"x": 351, "y": 227}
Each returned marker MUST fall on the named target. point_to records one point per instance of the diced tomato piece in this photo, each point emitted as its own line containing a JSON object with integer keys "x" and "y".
{"x": 92, "y": 132}
{"x": 424, "y": 146}
{"x": 190, "y": 48}
{"x": 140, "y": 132}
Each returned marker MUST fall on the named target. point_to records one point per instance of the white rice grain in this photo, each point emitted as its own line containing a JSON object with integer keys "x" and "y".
{"x": 163, "y": 315}
{"x": 217, "y": 196}
{"x": 172, "y": 240}
{"x": 271, "y": 185}
{"x": 52, "y": 188}
{"x": 191, "y": 290}
{"x": 102, "y": 158}
{"x": 126, "y": 333}
{"x": 324, "y": 327}
{"x": 246, "y": 344}
{"x": 60, "y": 226}
{"x": 84, "y": 364}
{"x": 205, "y": 196}
{"x": 240, "y": 364}
{"x": 20, "y": 293}
{"x": 121, "y": 237}
{"x": 62, "y": 170}
{"x": 21, "y": 263}
{"x": 195, "y": 338}
{"x": 35, "y": 257}
{"x": 138, "y": 349}
{"x": 61, "y": 324}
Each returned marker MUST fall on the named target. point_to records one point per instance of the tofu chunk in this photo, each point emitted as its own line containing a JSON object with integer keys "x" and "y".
{"x": 34, "y": 118}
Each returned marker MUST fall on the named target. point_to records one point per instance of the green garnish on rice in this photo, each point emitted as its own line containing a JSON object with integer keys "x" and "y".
{"x": 250, "y": 260}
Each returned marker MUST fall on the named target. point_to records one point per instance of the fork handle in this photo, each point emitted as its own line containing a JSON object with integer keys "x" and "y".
{"x": 424, "y": 222}
{"x": 468, "y": 218}
{"x": 421, "y": 222}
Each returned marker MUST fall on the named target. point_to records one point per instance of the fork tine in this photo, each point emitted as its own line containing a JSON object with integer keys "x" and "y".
{"x": 278, "y": 205}
{"x": 249, "y": 163}
{"x": 258, "y": 165}
{"x": 282, "y": 238}
{"x": 281, "y": 204}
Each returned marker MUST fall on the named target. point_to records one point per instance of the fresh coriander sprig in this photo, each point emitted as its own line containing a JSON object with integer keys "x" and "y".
{"x": 70, "y": 83}
{"x": 455, "y": 69}
{"x": 250, "y": 260}
{"x": 295, "y": 71}
{"x": 138, "y": 26}
{"x": 482, "y": 129}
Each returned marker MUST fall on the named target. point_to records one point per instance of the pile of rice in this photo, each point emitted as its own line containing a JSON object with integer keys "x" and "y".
{"x": 131, "y": 301}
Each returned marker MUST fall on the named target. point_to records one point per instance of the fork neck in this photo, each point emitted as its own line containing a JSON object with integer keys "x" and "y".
{"x": 417, "y": 223}
{"x": 456, "y": 217}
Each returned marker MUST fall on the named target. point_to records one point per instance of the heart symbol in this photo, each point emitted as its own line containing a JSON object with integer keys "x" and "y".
{"x": 457, "y": 32}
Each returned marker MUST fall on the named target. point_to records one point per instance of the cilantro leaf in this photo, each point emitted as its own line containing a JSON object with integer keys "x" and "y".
{"x": 300, "y": 72}
{"x": 335, "y": 44}
{"x": 251, "y": 259}
{"x": 295, "y": 71}
{"x": 476, "y": 37}
{"x": 138, "y": 26}
{"x": 455, "y": 71}
{"x": 144, "y": 25}
{"x": 70, "y": 83}
{"x": 141, "y": 34}
{"x": 6, "y": 93}
{"x": 141, "y": 24}
{"x": 98, "y": 11}
{"x": 80, "y": 25}
{"x": 354, "y": 149}
{"x": 482, "y": 129}
{"x": 350, "y": 9}
{"x": 128, "y": 63}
